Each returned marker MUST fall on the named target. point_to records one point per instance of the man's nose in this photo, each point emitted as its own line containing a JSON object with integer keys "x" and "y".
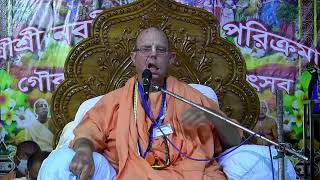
{"x": 152, "y": 58}
{"x": 152, "y": 55}
{"x": 153, "y": 51}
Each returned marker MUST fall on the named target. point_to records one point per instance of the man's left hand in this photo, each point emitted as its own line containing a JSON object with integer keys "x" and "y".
{"x": 192, "y": 119}
{"x": 193, "y": 116}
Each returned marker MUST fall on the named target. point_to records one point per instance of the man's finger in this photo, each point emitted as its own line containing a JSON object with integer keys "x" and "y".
{"x": 74, "y": 168}
{"x": 202, "y": 118}
{"x": 192, "y": 117}
{"x": 186, "y": 115}
{"x": 91, "y": 170}
{"x": 85, "y": 173}
{"x": 79, "y": 169}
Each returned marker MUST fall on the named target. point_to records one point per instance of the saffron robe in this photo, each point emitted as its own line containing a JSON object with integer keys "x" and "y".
{"x": 111, "y": 127}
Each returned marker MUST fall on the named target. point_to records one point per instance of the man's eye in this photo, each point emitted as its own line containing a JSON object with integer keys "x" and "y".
{"x": 161, "y": 50}
{"x": 146, "y": 50}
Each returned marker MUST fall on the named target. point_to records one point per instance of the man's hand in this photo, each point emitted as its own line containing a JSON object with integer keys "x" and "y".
{"x": 82, "y": 164}
{"x": 229, "y": 135}
{"x": 192, "y": 117}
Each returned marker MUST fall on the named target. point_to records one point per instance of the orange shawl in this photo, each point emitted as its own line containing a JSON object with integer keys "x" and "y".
{"x": 110, "y": 125}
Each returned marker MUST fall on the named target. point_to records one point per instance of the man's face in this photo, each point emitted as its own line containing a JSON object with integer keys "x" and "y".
{"x": 263, "y": 110}
{"x": 20, "y": 161}
{"x": 41, "y": 108}
{"x": 20, "y": 156}
{"x": 152, "y": 53}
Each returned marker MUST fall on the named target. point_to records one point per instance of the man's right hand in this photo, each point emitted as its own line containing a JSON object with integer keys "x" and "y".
{"x": 82, "y": 164}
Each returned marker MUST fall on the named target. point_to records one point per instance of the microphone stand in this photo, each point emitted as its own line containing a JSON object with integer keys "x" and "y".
{"x": 281, "y": 147}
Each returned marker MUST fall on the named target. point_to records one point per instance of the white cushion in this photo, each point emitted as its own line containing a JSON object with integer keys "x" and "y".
{"x": 67, "y": 132}
{"x": 252, "y": 162}
{"x": 56, "y": 166}
{"x": 207, "y": 91}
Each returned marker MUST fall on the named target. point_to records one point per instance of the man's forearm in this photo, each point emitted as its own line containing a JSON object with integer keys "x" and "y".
{"x": 83, "y": 144}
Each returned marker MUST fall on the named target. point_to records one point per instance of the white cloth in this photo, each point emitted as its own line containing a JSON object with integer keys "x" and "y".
{"x": 252, "y": 162}
{"x": 56, "y": 166}
{"x": 67, "y": 132}
{"x": 40, "y": 134}
{"x": 207, "y": 91}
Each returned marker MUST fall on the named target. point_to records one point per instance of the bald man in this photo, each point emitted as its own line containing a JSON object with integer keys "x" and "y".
{"x": 121, "y": 127}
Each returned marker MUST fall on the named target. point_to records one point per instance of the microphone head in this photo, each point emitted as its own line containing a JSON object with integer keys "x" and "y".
{"x": 146, "y": 74}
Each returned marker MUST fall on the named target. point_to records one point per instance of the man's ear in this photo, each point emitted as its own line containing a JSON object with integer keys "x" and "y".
{"x": 133, "y": 57}
{"x": 172, "y": 57}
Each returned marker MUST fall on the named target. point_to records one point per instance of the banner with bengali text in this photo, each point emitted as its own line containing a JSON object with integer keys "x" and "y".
{"x": 40, "y": 33}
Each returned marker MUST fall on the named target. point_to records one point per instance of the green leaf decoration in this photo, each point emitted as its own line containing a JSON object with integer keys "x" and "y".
{"x": 5, "y": 80}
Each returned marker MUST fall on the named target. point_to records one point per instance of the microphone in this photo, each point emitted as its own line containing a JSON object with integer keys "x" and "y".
{"x": 146, "y": 77}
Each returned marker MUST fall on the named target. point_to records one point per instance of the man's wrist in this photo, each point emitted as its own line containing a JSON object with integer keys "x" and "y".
{"x": 83, "y": 145}
{"x": 84, "y": 149}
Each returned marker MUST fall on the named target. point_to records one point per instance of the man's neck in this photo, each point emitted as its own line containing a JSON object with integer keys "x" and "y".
{"x": 42, "y": 117}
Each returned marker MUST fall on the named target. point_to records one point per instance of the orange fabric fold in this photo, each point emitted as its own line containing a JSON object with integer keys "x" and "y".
{"x": 111, "y": 126}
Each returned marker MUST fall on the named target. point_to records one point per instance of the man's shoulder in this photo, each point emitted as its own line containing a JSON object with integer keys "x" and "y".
{"x": 184, "y": 89}
{"x": 113, "y": 94}
{"x": 195, "y": 94}
{"x": 116, "y": 95}
{"x": 271, "y": 120}
{"x": 176, "y": 83}
{"x": 183, "y": 86}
